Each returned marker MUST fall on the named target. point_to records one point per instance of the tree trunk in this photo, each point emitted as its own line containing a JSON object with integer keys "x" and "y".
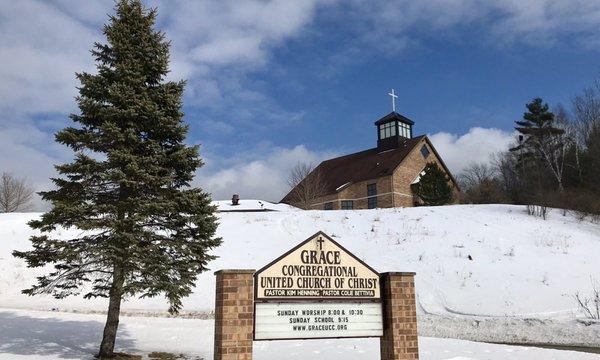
{"x": 561, "y": 187}
{"x": 107, "y": 346}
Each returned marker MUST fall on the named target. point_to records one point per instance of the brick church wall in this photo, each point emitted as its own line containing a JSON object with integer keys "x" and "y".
{"x": 393, "y": 191}
{"x": 320, "y": 202}
{"x": 408, "y": 171}
{"x": 358, "y": 194}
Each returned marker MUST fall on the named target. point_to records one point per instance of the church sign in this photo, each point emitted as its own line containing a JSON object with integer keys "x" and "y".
{"x": 317, "y": 290}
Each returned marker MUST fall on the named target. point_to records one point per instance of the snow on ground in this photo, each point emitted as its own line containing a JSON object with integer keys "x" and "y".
{"x": 27, "y": 334}
{"x": 251, "y": 205}
{"x": 519, "y": 285}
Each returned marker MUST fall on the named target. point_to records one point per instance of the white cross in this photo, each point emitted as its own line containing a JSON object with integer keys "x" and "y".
{"x": 394, "y": 97}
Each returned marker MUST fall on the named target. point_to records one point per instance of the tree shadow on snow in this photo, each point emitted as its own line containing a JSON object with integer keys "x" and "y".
{"x": 24, "y": 335}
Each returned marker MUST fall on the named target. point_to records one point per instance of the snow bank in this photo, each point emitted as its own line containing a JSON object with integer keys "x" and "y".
{"x": 522, "y": 267}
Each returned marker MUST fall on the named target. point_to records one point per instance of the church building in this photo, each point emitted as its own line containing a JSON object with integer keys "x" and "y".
{"x": 381, "y": 177}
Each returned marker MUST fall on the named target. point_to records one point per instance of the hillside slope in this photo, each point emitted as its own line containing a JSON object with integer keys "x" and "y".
{"x": 521, "y": 266}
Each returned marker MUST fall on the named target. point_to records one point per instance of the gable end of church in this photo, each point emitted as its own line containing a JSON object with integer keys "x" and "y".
{"x": 381, "y": 177}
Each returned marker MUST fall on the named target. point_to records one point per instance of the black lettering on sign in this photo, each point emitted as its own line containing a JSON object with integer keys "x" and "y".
{"x": 322, "y": 257}
{"x": 321, "y": 269}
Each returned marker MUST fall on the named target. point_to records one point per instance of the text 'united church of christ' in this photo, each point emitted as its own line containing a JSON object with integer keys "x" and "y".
{"x": 318, "y": 268}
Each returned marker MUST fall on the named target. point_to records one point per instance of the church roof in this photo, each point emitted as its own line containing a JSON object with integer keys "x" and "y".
{"x": 360, "y": 166}
{"x": 394, "y": 116}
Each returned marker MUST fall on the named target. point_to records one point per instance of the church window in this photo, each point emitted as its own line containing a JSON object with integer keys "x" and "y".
{"x": 347, "y": 204}
{"x": 328, "y": 206}
{"x": 405, "y": 130}
{"x": 372, "y": 196}
{"x": 371, "y": 189}
{"x": 425, "y": 151}
{"x": 372, "y": 202}
{"x": 387, "y": 130}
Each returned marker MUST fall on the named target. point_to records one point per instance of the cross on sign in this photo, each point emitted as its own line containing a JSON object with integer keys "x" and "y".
{"x": 320, "y": 241}
{"x": 394, "y": 97}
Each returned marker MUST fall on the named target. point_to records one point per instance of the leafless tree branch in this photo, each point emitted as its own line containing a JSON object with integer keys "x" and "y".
{"x": 15, "y": 194}
{"x": 590, "y": 305}
{"x": 306, "y": 184}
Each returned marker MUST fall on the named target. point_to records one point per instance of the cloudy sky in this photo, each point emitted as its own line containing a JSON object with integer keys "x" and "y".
{"x": 272, "y": 83}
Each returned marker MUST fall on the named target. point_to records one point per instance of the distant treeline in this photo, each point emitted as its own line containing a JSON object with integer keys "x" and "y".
{"x": 553, "y": 162}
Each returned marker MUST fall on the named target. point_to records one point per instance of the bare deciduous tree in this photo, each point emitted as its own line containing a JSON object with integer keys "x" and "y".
{"x": 475, "y": 174}
{"x": 481, "y": 184}
{"x": 586, "y": 108}
{"x": 590, "y": 305}
{"x": 505, "y": 165}
{"x": 15, "y": 194}
{"x": 306, "y": 184}
{"x": 553, "y": 149}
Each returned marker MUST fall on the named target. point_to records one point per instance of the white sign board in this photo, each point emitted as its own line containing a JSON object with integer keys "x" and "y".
{"x": 319, "y": 269}
{"x": 318, "y": 289}
{"x": 311, "y": 320}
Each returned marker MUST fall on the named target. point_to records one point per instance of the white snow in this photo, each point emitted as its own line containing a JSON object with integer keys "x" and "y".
{"x": 519, "y": 286}
{"x": 27, "y": 334}
{"x": 344, "y": 185}
{"x": 251, "y": 205}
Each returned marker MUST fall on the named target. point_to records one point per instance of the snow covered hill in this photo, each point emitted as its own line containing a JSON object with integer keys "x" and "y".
{"x": 473, "y": 263}
{"x": 251, "y": 205}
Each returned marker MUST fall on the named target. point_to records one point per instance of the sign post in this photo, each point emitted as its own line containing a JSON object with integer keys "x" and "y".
{"x": 316, "y": 290}
{"x": 234, "y": 315}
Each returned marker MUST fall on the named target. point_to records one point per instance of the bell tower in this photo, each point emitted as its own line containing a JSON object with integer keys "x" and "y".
{"x": 392, "y": 131}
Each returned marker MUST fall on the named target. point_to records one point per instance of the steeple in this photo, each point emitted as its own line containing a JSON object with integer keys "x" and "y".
{"x": 392, "y": 130}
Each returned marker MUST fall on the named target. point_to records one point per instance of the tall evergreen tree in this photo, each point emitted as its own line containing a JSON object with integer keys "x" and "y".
{"x": 537, "y": 124}
{"x": 146, "y": 231}
{"x": 434, "y": 186}
{"x": 543, "y": 145}
{"x": 537, "y": 118}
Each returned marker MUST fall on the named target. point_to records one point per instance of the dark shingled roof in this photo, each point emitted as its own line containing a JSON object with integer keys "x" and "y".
{"x": 394, "y": 116}
{"x": 360, "y": 166}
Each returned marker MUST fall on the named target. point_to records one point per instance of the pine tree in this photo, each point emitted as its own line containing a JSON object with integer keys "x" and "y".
{"x": 537, "y": 123}
{"x": 538, "y": 116}
{"x": 542, "y": 145}
{"x": 434, "y": 186}
{"x": 145, "y": 231}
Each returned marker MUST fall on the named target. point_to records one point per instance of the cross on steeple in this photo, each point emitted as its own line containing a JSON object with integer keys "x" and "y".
{"x": 394, "y": 97}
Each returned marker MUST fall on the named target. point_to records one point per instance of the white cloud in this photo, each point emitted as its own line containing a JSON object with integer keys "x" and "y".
{"x": 214, "y": 46}
{"x": 30, "y": 154}
{"x": 41, "y": 50}
{"x": 544, "y": 20}
{"x": 233, "y": 32}
{"x": 261, "y": 174}
{"x": 387, "y": 28}
{"x": 217, "y": 43}
{"x": 476, "y": 146}
{"x": 264, "y": 177}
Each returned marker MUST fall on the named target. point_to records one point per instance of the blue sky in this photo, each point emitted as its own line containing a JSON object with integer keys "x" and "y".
{"x": 272, "y": 83}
